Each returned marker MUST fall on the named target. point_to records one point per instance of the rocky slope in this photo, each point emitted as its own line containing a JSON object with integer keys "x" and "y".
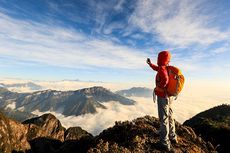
{"x": 137, "y": 92}
{"x": 66, "y": 102}
{"x": 36, "y": 135}
{"x": 46, "y": 134}
{"x": 213, "y": 125}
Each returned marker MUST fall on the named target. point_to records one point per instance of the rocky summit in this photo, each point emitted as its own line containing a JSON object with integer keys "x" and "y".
{"x": 45, "y": 134}
{"x": 141, "y": 136}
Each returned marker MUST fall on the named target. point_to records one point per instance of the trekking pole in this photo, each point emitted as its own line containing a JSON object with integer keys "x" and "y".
{"x": 154, "y": 97}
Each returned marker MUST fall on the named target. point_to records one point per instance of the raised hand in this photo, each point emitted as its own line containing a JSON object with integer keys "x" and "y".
{"x": 148, "y": 61}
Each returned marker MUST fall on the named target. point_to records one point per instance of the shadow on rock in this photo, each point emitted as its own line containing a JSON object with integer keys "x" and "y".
{"x": 48, "y": 145}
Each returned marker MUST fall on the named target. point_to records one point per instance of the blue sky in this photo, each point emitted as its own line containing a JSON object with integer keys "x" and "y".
{"x": 109, "y": 41}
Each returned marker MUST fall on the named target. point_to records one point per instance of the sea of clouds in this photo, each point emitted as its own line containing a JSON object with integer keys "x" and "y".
{"x": 184, "y": 108}
{"x": 104, "y": 118}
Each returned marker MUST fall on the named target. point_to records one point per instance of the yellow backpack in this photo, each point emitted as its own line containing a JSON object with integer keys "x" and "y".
{"x": 176, "y": 81}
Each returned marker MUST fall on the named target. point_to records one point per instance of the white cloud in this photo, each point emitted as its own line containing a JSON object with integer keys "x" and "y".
{"x": 109, "y": 28}
{"x": 176, "y": 22}
{"x": 49, "y": 44}
{"x": 119, "y": 5}
{"x": 222, "y": 49}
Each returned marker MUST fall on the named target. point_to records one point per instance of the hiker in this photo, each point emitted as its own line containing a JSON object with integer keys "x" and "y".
{"x": 164, "y": 102}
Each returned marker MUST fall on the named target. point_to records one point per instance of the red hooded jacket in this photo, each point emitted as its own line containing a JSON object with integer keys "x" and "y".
{"x": 162, "y": 78}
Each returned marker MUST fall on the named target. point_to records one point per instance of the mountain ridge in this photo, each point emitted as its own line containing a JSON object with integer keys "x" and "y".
{"x": 77, "y": 102}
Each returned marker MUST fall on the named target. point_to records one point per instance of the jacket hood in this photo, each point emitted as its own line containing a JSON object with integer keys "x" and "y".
{"x": 163, "y": 58}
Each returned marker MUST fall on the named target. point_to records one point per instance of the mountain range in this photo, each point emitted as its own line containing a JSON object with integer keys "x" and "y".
{"x": 68, "y": 103}
{"x": 136, "y": 92}
{"x": 45, "y": 134}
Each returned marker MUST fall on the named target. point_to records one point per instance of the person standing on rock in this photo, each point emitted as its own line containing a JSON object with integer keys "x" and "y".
{"x": 164, "y": 102}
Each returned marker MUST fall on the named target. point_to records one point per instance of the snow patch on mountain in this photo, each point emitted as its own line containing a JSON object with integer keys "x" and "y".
{"x": 11, "y": 105}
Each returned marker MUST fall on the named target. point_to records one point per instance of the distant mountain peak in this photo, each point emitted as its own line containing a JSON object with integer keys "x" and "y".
{"x": 93, "y": 90}
{"x": 136, "y": 92}
{"x": 139, "y": 88}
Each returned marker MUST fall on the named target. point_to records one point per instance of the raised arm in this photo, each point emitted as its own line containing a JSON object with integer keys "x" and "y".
{"x": 154, "y": 67}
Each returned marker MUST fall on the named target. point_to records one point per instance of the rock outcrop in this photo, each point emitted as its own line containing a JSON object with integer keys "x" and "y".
{"x": 141, "y": 136}
{"x": 76, "y": 133}
{"x": 12, "y": 136}
{"x": 213, "y": 125}
{"x": 48, "y": 124}
{"x": 37, "y": 135}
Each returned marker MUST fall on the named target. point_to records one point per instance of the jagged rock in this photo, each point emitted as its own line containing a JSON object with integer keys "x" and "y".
{"x": 12, "y": 136}
{"x": 49, "y": 124}
{"x": 37, "y": 134}
{"x": 40, "y": 134}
